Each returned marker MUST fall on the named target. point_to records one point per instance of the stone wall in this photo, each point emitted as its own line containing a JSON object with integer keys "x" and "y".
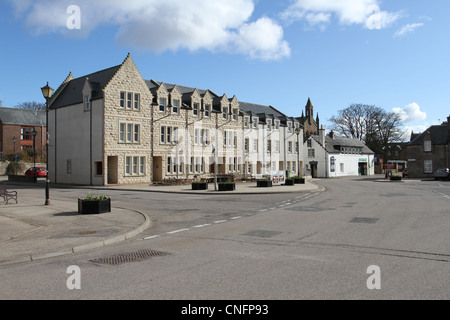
{"x": 22, "y": 167}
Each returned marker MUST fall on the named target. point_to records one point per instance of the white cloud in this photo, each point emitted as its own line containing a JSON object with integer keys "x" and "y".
{"x": 410, "y": 129}
{"x": 411, "y": 113}
{"x": 160, "y": 25}
{"x": 408, "y": 29}
{"x": 363, "y": 12}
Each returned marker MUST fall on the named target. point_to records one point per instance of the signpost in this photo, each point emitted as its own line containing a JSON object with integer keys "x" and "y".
{"x": 278, "y": 178}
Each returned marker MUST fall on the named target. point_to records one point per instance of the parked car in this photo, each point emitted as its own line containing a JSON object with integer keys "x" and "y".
{"x": 442, "y": 173}
{"x": 40, "y": 172}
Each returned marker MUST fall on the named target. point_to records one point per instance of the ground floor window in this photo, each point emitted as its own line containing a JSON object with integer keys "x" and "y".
{"x": 175, "y": 165}
{"x": 98, "y": 168}
{"x": 428, "y": 166}
{"x": 134, "y": 166}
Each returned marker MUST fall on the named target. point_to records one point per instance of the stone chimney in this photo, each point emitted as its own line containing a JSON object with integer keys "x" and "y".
{"x": 322, "y": 135}
{"x": 331, "y": 134}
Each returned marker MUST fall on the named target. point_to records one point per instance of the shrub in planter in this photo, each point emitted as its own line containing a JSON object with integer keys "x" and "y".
{"x": 299, "y": 180}
{"x": 289, "y": 182}
{"x": 199, "y": 185}
{"x": 94, "y": 204}
{"x": 264, "y": 183}
{"x": 227, "y": 186}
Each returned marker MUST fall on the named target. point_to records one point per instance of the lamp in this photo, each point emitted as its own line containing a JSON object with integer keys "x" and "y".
{"x": 297, "y": 132}
{"x": 47, "y": 92}
{"x": 33, "y": 133}
{"x": 15, "y": 159}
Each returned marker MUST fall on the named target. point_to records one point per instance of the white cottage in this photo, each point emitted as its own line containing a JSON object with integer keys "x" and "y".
{"x": 329, "y": 156}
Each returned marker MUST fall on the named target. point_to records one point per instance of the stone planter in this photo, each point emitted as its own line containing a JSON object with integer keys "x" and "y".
{"x": 299, "y": 180}
{"x": 199, "y": 186}
{"x": 94, "y": 206}
{"x": 264, "y": 183}
{"x": 289, "y": 182}
{"x": 227, "y": 186}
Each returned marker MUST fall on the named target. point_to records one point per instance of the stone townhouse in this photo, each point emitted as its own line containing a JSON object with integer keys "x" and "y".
{"x": 429, "y": 151}
{"x": 272, "y": 141}
{"x": 114, "y": 127}
{"x": 193, "y": 130}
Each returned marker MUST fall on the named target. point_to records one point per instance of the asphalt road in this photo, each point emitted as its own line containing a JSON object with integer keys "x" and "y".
{"x": 359, "y": 239}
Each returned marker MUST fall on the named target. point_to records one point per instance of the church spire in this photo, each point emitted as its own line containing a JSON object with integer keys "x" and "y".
{"x": 309, "y": 109}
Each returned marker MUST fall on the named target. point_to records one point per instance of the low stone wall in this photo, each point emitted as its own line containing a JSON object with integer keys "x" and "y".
{"x": 21, "y": 167}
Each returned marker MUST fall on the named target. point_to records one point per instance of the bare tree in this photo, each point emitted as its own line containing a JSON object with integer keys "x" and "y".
{"x": 31, "y": 105}
{"x": 370, "y": 124}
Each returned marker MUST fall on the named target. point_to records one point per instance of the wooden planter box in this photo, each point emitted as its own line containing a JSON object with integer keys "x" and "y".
{"x": 200, "y": 186}
{"x": 227, "y": 186}
{"x": 94, "y": 206}
{"x": 289, "y": 182}
{"x": 299, "y": 180}
{"x": 263, "y": 183}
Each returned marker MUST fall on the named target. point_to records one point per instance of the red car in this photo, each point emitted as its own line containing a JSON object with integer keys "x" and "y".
{"x": 40, "y": 172}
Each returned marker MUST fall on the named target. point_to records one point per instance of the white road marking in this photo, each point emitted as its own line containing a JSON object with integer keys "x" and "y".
{"x": 202, "y": 225}
{"x": 151, "y": 237}
{"x": 176, "y": 231}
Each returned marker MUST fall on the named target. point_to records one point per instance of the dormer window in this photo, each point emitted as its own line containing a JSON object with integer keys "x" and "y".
{"x": 246, "y": 120}
{"x": 196, "y": 109}
{"x": 162, "y": 105}
{"x": 235, "y": 114}
{"x": 289, "y": 125}
{"x": 255, "y": 122}
{"x": 87, "y": 103}
{"x": 207, "y": 110}
{"x": 269, "y": 124}
{"x": 224, "y": 113}
{"x": 175, "y": 106}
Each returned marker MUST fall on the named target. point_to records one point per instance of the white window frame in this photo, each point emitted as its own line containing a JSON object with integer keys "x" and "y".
{"x": 175, "y": 106}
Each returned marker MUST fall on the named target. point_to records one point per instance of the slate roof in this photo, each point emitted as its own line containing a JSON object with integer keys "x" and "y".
{"x": 253, "y": 108}
{"x": 439, "y": 135}
{"x": 72, "y": 93}
{"x": 333, "y": 145}
{"x": 26, "y": 117}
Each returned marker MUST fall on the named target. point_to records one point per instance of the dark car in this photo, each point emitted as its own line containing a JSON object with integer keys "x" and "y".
{"x": 40, "y": 172}
{"x": 442, "y": 173}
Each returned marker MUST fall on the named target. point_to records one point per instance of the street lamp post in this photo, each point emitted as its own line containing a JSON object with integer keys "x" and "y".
{"x": 297, "y": 132}
{"x": 33, "y": 133}
{"x": 15, "y": 160}
{"x": 47, "y": 92}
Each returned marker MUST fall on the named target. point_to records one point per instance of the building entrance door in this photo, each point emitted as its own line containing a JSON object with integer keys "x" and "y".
{"x": 113, "y": 170}
{"x": 157, "y": 169}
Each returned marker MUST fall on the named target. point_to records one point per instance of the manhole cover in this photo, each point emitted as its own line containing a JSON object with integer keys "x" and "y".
{"x": 364, "y": 220}
{"x": 129, "y": 257}
{"x": 262, "y": 233}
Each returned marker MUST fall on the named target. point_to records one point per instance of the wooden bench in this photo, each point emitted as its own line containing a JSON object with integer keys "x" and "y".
{"x": 8, "y": 195}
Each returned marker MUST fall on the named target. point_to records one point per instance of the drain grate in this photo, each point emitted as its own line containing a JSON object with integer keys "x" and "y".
{"x": 364, "y": 220}
{"x": 129, "y": 257}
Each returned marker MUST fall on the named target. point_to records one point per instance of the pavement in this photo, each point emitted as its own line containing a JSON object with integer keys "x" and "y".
{"x": 31, "y": 231}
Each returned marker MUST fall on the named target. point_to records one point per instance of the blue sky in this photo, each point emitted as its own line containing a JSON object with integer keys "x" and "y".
{"x": 392, "y": 54}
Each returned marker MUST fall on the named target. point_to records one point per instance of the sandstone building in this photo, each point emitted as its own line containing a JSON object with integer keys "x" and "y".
{"x": 114, "y": 127}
